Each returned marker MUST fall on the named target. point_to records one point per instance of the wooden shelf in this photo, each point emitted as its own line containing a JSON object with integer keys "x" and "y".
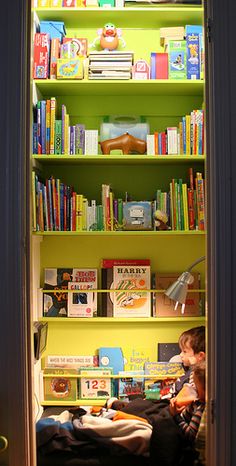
{"x": 117, "y": 159}
{"x": 155, "y": 16}
{"x": 130, "y": 87}
{"x": 169, "y": 234}
{"x": 119, "y": 320}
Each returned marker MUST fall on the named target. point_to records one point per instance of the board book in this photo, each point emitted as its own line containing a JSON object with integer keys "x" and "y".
{"x": 60, "y": 385}
{"x": 95, "y": 383}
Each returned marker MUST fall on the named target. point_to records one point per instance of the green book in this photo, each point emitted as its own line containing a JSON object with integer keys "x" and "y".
{"x": 177, "y": 59}
{"x": 58, "y": 137}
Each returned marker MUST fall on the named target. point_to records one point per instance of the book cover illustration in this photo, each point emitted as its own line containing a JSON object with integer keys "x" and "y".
{"x": 131, "y": 386}
{"x": 167, "y": 351}
{"x": 131, "y": 300}
{"x": 60, "y": 386}
{"x": 165, "y": 307}
{"x": 137, "y": 215}
{"x": 95, "y": 383}
{"x": 55, "y": 303}
{"x": 134, "y": 358}
{"x": 82, "y": 304}
{"x": 177, "y": 59}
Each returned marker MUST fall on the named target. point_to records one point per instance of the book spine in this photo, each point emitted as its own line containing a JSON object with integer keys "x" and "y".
{"x": 39, "y": 128}
{"x": 35, "y": 138}
{"x": 34, "y": 225}
{"x": 58, "y": 138}
{"x": 66, "y": 134}
{"x": 52, "y": 125}
{"x": 191, "y": 216}
{"x": 61, "y": 206}
{"x": 153, "y": 65}
{"x": 63, "y": 113}
{"x": 48, "y": 125}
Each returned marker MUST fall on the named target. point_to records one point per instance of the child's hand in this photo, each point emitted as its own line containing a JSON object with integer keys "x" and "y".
{"x": 174, "y": 409}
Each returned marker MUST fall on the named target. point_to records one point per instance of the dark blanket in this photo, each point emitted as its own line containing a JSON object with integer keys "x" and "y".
{"x": 167, "y": 446}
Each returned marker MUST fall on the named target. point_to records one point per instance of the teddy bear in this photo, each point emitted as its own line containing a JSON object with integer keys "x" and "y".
{"x": 160, "y": 220}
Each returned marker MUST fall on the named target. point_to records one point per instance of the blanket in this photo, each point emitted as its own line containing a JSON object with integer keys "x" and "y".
{"x": 87, "y": 434}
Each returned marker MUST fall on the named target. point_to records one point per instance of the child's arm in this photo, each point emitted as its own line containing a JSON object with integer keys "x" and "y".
{"x": 189, "y": 420}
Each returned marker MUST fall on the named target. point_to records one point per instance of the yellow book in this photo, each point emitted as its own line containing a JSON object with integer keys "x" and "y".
{"x": 188, "y": 123}
{"x": 52, "y": 125}
{"x": 84, "y": 214}
{"x": 185, "y": 204}
{"x": 79, "y": 217}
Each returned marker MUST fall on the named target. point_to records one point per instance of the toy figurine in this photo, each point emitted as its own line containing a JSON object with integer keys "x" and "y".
{"x": 127, "y": 143}
{"x": 160, "y": 220}
{"x": 109, "y": 37}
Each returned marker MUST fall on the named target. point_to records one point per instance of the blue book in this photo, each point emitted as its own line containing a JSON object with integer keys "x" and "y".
{"x": 159, "y": 144}
{"x": 193, "y": 56}
{"x": 153, "y": 65}
{"x": 35, "y": 138}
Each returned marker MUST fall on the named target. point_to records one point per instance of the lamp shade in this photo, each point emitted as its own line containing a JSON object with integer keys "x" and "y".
{"x": 178, "y": 290}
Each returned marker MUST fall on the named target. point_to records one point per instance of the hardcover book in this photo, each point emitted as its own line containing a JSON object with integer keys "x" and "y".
{"x": 164, "y": 369}
{"x": 137, "y": 215}
{"x": 132, "y": 300}
{"x": 55, "y": 302}
{"x": 134, "y": 358}
{"x": 177, "y": 59}
{"x": 131, "y": 386}
{"x": 165, "y": 307}
{"x": 60, "y": 386}
{"x": 95, "y": 383}
{"x": 71, "y": 362}
{"x": 107, "y": 299}
{"x": 166, "y": 351}
{"x": 82, "y": 304}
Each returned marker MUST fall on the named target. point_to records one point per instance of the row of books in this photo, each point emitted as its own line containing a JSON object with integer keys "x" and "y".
{"x": 56, "y": 136}
{"x": 187, "y": 138}
{"x": 68, "y": 292}
{"x": 77, "y": 3}
{"x": 112, "y": 65}
{"x": 57, "y": 207}
{"x": 98, "y": 383}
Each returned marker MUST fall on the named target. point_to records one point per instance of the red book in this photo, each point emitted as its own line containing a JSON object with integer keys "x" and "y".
{"x": 161, "y": 65}
{"x": 109, "y": 263}
{"x": 191, "y": 209}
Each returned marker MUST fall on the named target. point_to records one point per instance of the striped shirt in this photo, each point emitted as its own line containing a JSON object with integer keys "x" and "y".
{"x": 190, "y": 418}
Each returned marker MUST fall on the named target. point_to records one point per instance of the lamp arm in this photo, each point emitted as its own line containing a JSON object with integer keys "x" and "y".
{"x": 201, "y": 259}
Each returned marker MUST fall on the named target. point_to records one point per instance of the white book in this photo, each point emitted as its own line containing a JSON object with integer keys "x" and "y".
{"x": 172, "y": 142}
{"x": 150, "y": 144}
{"x": 82, "y": 303}
{"x": 91, "y": 142}
{"x": 72, "y": 362}
{"x": 132, "y": 300}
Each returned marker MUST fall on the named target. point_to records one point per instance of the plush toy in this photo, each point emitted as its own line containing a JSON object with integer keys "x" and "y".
{"x": 160, "y": 220}
{"x": 109, "y": 37}
{"x": 126, "y": 142}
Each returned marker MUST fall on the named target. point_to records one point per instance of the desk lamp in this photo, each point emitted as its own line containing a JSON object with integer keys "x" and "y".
{"x": 178, "y": 290}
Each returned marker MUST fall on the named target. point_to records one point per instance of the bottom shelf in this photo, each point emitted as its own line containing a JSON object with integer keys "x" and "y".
{"x": 74, "y": 403}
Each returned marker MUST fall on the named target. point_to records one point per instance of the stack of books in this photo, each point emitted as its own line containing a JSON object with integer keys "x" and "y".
{"x": 110, "y": 65}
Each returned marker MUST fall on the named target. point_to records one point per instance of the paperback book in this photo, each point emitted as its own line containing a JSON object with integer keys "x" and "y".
{"x": 82, "y": 303}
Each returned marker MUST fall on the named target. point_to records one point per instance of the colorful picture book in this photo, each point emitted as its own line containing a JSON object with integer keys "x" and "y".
{"x": 60, "y": 386}
{"x": 131, "y": 300}
{"x": 131, "y": 386}
{"x": 55, "y": 302}
{"x": 95, "y": 383}
{"x": 166, "y": 351}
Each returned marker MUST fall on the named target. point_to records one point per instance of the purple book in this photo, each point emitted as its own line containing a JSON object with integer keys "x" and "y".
{"x": 79, "y": 138}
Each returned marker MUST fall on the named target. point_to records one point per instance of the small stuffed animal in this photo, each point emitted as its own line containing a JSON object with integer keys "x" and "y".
{"x": 160, "y": 220}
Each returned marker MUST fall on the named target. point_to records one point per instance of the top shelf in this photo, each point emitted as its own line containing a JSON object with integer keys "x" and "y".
{"x": 148, "y": 17}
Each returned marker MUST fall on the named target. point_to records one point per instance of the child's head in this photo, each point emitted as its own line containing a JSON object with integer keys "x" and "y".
{"x": 192, "y": 345}
{"x": 199, "y": 378}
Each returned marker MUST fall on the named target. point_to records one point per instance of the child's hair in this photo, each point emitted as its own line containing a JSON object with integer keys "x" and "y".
{"x": 195, "y": 337}
{"x": 199, "y": 371}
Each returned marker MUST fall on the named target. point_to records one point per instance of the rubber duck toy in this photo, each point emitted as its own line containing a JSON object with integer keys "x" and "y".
{"x": 109, "y": 37}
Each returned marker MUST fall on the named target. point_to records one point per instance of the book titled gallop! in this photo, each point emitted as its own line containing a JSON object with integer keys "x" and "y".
{"x": 131, "y": 300}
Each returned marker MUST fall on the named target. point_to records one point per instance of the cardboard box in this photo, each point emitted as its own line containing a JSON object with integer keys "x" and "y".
{"x": 41, "y": 56}
{"x": 56, "y": 29}
{"x": 70, "y": 69}
{"x": 165, "y": 307}
{"x": 177, "y": 59}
